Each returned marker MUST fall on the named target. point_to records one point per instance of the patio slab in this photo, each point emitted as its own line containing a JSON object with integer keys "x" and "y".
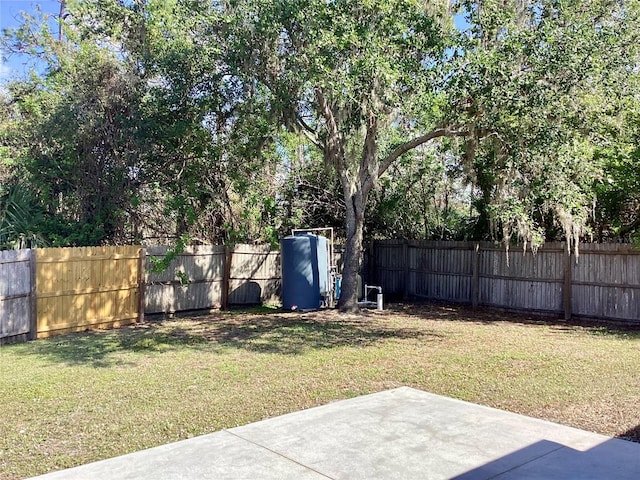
{"x": 397, "y": 434}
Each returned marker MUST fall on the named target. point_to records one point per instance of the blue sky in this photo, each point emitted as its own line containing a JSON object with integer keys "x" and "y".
{"x": 17, "y": 66}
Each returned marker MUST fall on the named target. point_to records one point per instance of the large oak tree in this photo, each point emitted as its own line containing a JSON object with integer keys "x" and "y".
{"x": 518, "y": 85}
{"x": 360, "y": 79}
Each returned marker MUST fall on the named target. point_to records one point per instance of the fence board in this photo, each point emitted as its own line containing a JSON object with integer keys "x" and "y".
{"x": 79, "y": 288}
{"x": 15, "y": 294}
{"x": 254, "y": 275}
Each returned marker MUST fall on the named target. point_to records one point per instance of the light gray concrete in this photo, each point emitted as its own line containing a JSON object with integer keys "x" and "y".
{"x": 397, "y": 434}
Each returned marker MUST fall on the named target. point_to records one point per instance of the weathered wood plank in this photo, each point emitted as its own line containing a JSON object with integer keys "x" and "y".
{"x": 246, "y": 274}
{"x": 203, "y": 267}
{"x": 254, "y": 275}
{"x": 15, "y": 294}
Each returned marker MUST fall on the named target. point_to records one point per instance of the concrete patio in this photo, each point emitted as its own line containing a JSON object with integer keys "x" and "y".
{"x": 397, "y": 434}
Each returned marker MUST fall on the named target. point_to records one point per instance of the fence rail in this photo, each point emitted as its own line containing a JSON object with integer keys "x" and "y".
{"x": 602, "y": 282}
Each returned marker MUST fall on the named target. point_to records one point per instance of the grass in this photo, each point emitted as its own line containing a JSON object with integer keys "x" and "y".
{"x": 78, "y": 398}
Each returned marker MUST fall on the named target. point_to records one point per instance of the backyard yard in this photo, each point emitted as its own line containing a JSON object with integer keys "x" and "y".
{"x": 78, "y": 398}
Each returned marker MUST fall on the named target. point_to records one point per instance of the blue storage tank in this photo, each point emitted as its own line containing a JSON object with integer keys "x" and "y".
{"x": 305, "y": 272}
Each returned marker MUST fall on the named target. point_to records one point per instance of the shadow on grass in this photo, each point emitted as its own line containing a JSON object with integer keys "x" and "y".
{"x": 270, "y": 332}
{"x": 633, "y": 434}
{"x": 485, "y": 315}
{"x": 102, "y": 348}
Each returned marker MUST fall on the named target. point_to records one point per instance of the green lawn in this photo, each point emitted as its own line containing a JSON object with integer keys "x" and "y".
{"x": 78, "y": 398}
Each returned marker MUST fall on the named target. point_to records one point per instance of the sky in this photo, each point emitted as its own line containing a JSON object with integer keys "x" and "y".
{"x": 17, "y": 66}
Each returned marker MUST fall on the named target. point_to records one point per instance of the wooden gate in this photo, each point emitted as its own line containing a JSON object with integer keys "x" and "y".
{"x": 17, "y": 315}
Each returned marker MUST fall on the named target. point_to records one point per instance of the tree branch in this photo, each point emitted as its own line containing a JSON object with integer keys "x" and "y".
{"x": 416, "y": 142}
{"x": 309, "y": 132}
{"x": 334, "y": 145}
{"x": 368, "y": 161}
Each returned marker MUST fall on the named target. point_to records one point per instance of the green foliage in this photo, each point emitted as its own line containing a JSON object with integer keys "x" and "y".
{"x": 237, "y": 121}
{"x": 539, "y": 84}
{"x": 421, "y": 198}
{"x": 20, "y": 219}
{"x": 78, "y": 146}
{"x": 616, "y": 213}
{"x": 136, "y": 131}
{"x": 311, "y": 195}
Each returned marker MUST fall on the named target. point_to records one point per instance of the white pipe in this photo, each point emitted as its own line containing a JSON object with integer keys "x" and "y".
{"x": 371, "y": 287}
{"x": 379, "y": 301}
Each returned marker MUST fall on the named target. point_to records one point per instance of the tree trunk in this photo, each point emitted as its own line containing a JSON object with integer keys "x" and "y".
{"x": 353, "y": 251}
{"x": 357, "y": 185}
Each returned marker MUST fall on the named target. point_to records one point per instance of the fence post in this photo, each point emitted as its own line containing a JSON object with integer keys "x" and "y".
{"x": 33, "y": 297}
{"x": 566, "y": 293}
{"x": 141, "y": 283}
{"x": 226, "y": 277}
{"x": 475, "y": 282}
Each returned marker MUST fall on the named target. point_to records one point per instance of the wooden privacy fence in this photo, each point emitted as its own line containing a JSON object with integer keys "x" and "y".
{"x": 57, "y": 290}
{"x": 602, "y": 282}
{"x": 201, "y": 286}
{"x": 49, "y": 291}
